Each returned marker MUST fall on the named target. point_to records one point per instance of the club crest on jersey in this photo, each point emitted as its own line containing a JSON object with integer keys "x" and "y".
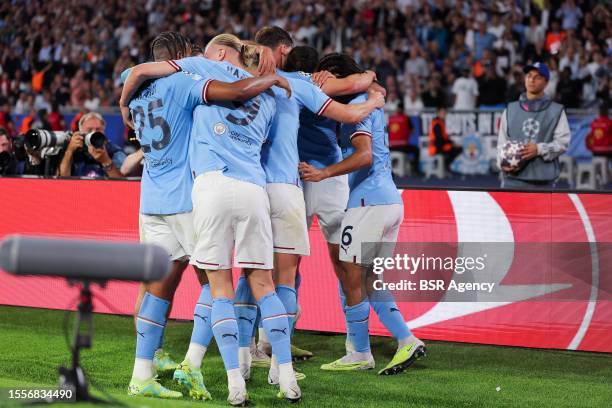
{"x": 219, "y": 128}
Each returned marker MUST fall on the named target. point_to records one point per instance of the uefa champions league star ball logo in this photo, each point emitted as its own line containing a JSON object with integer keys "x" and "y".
{"x": 219, "y": 128}
{"x": 511, "y": 156}
{"x": 531, "y": 128}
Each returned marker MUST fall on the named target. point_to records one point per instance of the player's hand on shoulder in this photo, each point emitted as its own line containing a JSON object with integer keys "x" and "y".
{"x": 376, "y": 87}
{"x": 267, "y": 62}
{"x": 125, "y": 115}
{"x": 282, "y": 82}
{"x": 320, "y": 77}
{"x": 377, "y": 98}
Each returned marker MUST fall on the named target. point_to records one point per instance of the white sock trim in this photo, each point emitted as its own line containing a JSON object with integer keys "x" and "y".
{"x": 195, "y": 354}
{"x": 263, "y": 337}
{"x": 234, "y": 379}
{"x": 143, "y": 369}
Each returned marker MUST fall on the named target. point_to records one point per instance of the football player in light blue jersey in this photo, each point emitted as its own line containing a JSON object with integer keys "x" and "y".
{"x": 374, "y": 214}
{"x": 231, "y": 211}
{"x": 279, "y": 157}
{"x": 166, "y": 208}
{"x": 280, "y": 160}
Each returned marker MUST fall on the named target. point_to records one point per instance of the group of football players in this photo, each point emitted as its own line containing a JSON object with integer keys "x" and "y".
{"x": 243, "y": 143}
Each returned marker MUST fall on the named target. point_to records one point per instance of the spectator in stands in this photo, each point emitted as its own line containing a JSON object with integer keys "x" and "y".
{"x": 483, "y": 40}
{"x": 599, "y": 141}
{"x": 8, "y": 162}
{"x": 491, "y": 89}
{"x": 439, "y": 141}
{"x": 397, "y": 39}
{"x": 433, "y": 96}
{"x": 516, "y": 87}
{"x": 535, "y": 33}
{"x": 413, "y": 104}
{"x": 465, "y": 90}
{"x": 400, "y": 130}
{"x": 570, "y": 14}
{"x": 56, "y": 121}
{"x": 568, "y": 89}
{"x": 94, "y": 162}
{"x": 554, "y": 38}
{"x": 6, "y": 121}
{"x": 24, "y": 104}
{"x": 542, "y": 126}
{"x": 392, "y": 103}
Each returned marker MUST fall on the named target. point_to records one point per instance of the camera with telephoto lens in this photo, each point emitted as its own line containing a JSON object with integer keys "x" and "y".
{"x": 95, "y": 139}
{"x": 37, "y": 139}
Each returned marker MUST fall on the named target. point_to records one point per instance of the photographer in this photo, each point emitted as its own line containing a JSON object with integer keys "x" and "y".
{"x": 97, "y": 162}
{"x": 8, "y": 162}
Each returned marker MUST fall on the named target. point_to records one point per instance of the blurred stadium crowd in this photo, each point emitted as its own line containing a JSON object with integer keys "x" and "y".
{"x": 462, "y": 53}
{"x": 428, "y": 53}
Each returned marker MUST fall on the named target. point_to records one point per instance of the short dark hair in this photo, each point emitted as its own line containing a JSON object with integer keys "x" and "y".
{"x": 168, "y": 45}
{"x": 302, "y": 58}
{"x": 196, "y": 50}
{"x": 273, "y": 37}
{"x": 340, "y": 65}
{"x": 603, "y": 109}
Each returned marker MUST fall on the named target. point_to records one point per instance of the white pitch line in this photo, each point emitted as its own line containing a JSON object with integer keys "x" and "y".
{"x": 588, "y": 315}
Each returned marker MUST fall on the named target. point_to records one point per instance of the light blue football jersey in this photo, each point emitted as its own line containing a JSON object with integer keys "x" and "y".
{"x": 317, "y": 139}
{"x": 162, "y": 113}
{"x": 228, "y": 136}
{"x": 372, "y": 185}
{"x": 279, "y": 156}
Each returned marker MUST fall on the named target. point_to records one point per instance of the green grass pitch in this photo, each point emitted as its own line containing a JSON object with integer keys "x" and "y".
{"x": 32, "y": 345}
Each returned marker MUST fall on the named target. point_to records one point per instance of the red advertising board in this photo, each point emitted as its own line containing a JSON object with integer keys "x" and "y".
{"x": 108, "y": 210}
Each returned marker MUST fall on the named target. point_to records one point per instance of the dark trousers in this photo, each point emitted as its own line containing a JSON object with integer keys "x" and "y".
{"x": 410, "y": 149}
{"x": 451, "y": 155}
{"x": 513, "y": 183}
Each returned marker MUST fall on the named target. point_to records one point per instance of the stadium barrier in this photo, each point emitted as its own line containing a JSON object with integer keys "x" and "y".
{"x": 475, "y": 130}
{"x": 109, "y": 210}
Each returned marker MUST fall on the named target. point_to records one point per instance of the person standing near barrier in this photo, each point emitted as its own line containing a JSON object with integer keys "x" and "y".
{"x": 599, "y": 141}
{"x": 439, "y": 141}
{"x": 542, "y": 126}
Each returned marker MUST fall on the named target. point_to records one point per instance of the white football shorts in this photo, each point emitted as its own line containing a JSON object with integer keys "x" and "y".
{"x": 376, "y": 224}
{"x": 230, "y": 216}
{"x": 288, "y": 215}
{"x": 327, "y": 200}
{"x": 172, "y": 232}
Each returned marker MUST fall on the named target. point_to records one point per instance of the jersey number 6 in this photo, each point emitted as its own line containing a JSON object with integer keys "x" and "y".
{"x": 154, "y": 121}
{"x": 346, "y": 235}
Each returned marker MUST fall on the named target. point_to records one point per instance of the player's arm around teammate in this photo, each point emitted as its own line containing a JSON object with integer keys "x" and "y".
{"x": 232, "y": 213}
{"x": 215, "y": 90}
{"x": 373, "y": 217}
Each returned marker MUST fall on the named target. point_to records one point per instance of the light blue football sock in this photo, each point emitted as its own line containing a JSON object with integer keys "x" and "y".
{"x": 276, "y": 324}
{"x": 357, "y": 318}
{"x": 225, "y": 329}
{"x": 288, "y": 297}
{"x": 246, "y": 312}
{"x": 390, "y": 316}
{"x": 202, "y": 327}
{"x": 150, "y": 325}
